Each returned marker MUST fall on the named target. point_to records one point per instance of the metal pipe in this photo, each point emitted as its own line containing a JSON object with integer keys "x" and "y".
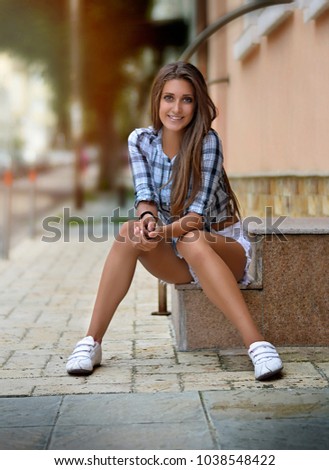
{"x": 224, "y": 20}
{"x": 218, "y": 80}
{"x": 7, "y": 213}
{"x": 33, "y": 201}
{"x": 162, "y": 299}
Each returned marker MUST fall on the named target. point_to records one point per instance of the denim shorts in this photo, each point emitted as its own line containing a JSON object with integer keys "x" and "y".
{"x": 236, "y": 232}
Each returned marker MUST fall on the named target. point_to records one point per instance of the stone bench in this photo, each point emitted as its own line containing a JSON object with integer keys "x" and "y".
{"x": 289, "y": 298}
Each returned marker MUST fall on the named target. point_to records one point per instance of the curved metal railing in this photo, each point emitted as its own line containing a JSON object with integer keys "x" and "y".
{"x": 224, "y": 20}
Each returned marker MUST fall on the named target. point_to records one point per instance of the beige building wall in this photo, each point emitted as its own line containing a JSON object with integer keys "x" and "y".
{"x": 274, "y": 110}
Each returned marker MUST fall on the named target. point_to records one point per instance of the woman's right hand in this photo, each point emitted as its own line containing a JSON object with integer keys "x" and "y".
{"x": 141, "y": 240}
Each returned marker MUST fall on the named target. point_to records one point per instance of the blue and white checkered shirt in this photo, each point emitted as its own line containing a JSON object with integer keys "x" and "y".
{"x": 151, "y": 169}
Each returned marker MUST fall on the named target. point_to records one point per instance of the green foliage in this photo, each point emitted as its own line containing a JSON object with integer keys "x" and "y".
{"x": 36, "y": 31}
{"x": 29, "y": 29}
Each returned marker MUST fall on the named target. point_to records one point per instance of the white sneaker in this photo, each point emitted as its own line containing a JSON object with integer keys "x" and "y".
{"x": 266, "y": 360}
{"x": 86, "y": 355}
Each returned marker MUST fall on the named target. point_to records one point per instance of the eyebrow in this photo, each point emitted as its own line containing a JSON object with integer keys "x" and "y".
{"x": 173, "y": 94}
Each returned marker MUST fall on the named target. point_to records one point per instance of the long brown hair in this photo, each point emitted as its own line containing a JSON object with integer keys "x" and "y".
{"x": 187, "y": 165}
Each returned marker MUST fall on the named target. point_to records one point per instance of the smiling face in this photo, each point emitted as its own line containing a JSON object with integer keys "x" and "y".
{"x": 177, "y": 105}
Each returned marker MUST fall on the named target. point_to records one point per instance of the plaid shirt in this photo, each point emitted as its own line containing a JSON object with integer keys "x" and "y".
{"x": 151, "y": 169}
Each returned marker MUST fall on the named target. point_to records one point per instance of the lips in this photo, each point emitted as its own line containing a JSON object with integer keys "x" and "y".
{"x": 175, "y": 118}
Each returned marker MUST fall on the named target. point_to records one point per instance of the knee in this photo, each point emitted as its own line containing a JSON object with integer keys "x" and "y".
{"x": 191, "y": 245}
{"x": 126, "y": 232}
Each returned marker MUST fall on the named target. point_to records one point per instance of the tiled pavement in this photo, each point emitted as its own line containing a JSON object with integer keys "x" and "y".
{"x": 146, "y": 394}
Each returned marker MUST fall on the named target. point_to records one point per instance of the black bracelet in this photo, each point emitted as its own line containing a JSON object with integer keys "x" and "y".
{"x": 148, "y": 212}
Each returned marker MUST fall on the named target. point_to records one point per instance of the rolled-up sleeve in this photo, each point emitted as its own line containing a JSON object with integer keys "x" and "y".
{"x": 140, "y": 168}
{"x": 211, "y": 168}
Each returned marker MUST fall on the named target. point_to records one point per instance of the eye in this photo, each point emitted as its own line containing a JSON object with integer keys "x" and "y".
{"x": 168, "y": 97}
{"x": 188, "y": 99}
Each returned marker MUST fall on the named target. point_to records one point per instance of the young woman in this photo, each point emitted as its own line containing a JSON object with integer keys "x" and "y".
{"x": 189, "y": 227}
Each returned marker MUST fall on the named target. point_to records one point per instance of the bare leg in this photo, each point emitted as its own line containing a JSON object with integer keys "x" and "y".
{"x": 219, "y": 265}
{"x": 118, "y": 273}
{"x": 115, "y": 281}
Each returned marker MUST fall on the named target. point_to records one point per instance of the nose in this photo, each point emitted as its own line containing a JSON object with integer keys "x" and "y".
{"x": 177, "y": 106}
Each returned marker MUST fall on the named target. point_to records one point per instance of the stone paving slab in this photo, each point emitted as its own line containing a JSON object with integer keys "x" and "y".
{"x": 109, "y": 421}
{"x": 27, "y": 423}
{"x": 284, "y": 420}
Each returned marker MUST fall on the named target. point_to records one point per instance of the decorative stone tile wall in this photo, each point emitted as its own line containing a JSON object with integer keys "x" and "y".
{"x": 295, "y": 196}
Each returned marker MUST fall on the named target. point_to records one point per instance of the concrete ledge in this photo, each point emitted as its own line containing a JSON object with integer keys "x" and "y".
{"x": 288, "y": 226}
{"x": 289, "y": 299}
